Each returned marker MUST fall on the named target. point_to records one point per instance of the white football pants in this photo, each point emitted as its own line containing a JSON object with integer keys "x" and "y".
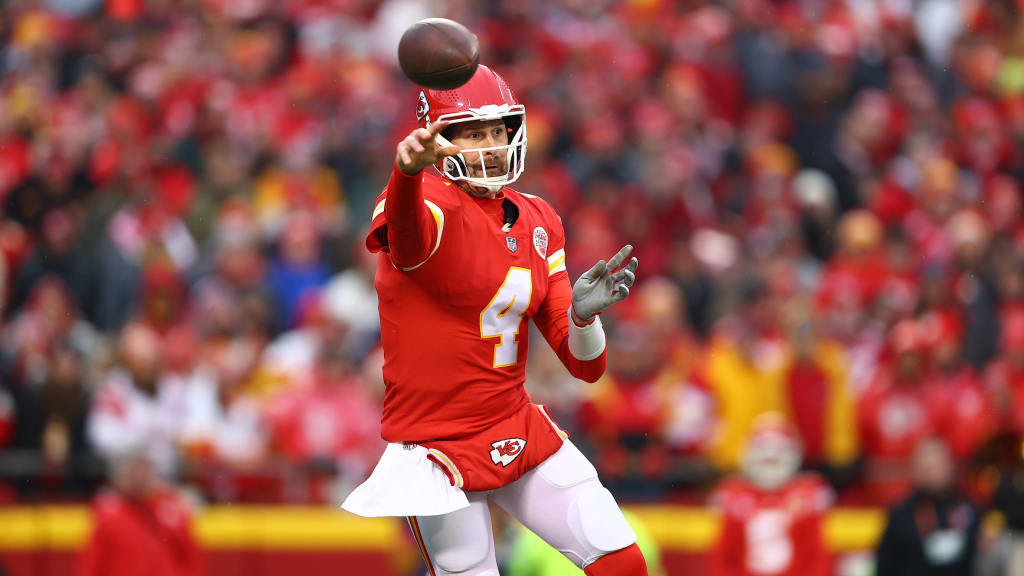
{"x": 561, "y": 500}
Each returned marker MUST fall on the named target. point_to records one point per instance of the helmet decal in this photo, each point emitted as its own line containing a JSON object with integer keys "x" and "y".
{"x": 423, "y": 108}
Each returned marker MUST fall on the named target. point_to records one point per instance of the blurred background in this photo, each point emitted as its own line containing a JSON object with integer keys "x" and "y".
{"x": 825, "y": 196}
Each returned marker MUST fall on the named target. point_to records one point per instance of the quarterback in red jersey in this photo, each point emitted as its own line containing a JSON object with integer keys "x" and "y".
{"x": 464, "y": 263}
{"x": 772, "y": 517}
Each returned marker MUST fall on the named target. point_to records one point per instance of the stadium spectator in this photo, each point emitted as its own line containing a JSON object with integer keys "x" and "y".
{"x": 935, "y": 529}
{"x": 651, "y": 403}
{"x": 960, "y": 407}
{"x": 744, "y": 363}
{"x": 817, "y": 396}
{"x": 330, "y": 422}
{"x": 222, "y": 421}
{"x": 132, "y": 410}
{"x": 290, "y": 359}
{"x": 140, "y": 526}
{"x": 624, "y": 413}
{"x": 58, "y": 255}
{"x": 772, "y": 517}
{"x": 893, "y": 410}
{"x": 53, "y": 423}
{"x": 48, "y": 321}
{"x": 299, "y": 267}
{"x": 1005, "y": 376}
{"x": 350, "y": 298}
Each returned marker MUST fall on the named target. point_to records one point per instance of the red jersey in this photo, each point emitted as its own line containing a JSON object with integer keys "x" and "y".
{"x": 141, "y": 537}
{"x": 776, "y": 533}
{"x": 1007, "y": 384}
{"x": 457, "y": 279}
{"x": 962, "y": 412}
{"x": 895, "y": 418}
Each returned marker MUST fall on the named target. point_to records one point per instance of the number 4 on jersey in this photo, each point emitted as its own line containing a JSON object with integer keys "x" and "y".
{"x": 501, "y": 318}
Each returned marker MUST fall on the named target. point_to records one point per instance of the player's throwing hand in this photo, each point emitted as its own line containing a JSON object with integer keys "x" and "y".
{"x": 419, "y": 149}
{"x": 604, "y": 284}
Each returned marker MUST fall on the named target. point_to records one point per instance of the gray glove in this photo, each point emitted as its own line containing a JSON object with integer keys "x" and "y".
{"x": 603, "y": 285}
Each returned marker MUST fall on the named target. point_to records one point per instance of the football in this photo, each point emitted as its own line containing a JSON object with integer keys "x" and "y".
{"x": 439, "y": 54}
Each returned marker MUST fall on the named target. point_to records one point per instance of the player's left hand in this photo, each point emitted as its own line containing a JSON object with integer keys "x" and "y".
{"x": 603, "y": 285}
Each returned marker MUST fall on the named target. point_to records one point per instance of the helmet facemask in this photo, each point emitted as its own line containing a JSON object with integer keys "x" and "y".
{"x": 457, "y": 168}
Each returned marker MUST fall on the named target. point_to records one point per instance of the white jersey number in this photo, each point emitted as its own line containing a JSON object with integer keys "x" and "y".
{"x": 769, "y": 549}
{"x": 501, "y": 318}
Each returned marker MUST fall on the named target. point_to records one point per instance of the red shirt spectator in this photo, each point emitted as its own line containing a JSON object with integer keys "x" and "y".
{"x": 1005, "y": 377}
{"x": 140, "y": 528}
{"x": 131, "y": 538}
{"x": 894, "y": 418}
{"x": 908, "y": 402}
{"x": 894, "y": 410}
{"x": 771, "y": 532}
{"x": 960, "y": 411}
{"x": 858, "y": 272}
{"x": 772, "y": 517}
{"x": 334, "y": 417}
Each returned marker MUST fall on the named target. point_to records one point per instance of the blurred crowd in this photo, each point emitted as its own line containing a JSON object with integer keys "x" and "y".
{"x": 825, "y": 197}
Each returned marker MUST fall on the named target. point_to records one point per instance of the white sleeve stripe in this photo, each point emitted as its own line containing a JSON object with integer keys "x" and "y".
{"x": 439, "y": 220}
{"x": 378, "y": 209}
{"x": 556, "y": 256}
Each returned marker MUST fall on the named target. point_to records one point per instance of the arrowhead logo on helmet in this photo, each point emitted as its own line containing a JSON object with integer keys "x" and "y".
{"x": 423, "y": 108}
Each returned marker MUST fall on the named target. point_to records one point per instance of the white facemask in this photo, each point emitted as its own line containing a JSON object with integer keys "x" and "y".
{"x": 456, "y": 168}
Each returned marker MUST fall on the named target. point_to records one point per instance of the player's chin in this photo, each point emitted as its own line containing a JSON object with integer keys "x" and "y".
{"x": 479, "y": 191}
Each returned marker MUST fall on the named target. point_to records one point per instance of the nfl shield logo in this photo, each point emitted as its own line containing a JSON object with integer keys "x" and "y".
{"x": 511, "y": 242}
{"x": 540, "y": 241}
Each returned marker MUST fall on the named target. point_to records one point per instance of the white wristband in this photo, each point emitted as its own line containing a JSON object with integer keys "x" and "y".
{"x": 585, "y": 342}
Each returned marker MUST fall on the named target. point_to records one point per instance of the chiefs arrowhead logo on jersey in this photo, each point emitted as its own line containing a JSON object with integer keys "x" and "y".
{"x": 512, "y": 244}
{"x": 540, "y": 241}
{"x": 423, "y": 107}
{"x": 505, "y": 451}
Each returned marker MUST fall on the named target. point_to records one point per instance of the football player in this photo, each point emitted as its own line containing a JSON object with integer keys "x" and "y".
{"x": 771, "y": 517}
{"x": 464, "y": 263}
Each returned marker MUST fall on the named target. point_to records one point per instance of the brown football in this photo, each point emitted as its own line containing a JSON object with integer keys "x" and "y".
{"x": 439, "y": 54}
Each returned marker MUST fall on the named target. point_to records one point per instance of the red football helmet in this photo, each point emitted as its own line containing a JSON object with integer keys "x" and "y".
{"x": 485, "y": 97}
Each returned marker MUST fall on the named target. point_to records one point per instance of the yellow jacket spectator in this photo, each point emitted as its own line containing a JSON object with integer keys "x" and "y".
{"x": 743, "y": 375}
{"x": 818, "y": 400}
{"x": 805, "y": 380}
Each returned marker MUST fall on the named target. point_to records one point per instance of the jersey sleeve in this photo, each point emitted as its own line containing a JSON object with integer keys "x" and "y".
{"x": 405, "y": 224}
{"x": 581, "y": 349}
